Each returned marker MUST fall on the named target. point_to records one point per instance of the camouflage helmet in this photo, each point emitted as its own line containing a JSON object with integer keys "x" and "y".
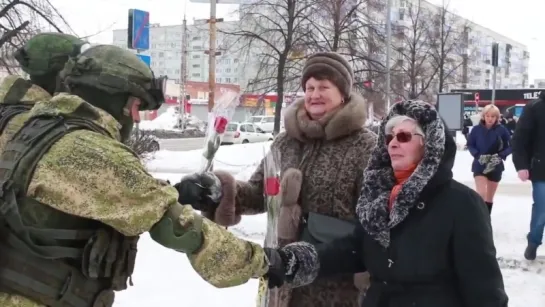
{"x": 115, "y": 70}
{"x": 47, "y": 53}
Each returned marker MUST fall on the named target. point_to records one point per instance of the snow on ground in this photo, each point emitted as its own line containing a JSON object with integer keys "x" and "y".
{"x": 168, "y": 120}
{"x": 165, "y": 278}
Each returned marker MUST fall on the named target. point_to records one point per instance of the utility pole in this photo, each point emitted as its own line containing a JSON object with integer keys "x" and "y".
{"x": 183, "y": 73}
{"x": 212, "y": 53}
{"x": 495, "y": 60}
{"x": 388, "y": 53}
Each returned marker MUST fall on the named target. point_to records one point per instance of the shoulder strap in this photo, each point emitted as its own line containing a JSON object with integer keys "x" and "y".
{"x": 17, "y": 91}
{"x": 9, "y": 111}
{"x": 17, "y": 164}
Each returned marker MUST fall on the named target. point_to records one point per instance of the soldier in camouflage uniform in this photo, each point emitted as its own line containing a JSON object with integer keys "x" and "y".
{"x": 42, "y": 58}
{"x": 75, "y": 200}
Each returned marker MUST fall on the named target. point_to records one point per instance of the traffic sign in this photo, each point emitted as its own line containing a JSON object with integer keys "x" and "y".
{"x": 477, "y": 98}
{"x": 138, "y": 30}
{"x": 145, "y": 58}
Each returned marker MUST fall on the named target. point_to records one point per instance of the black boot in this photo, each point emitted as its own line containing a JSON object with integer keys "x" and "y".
{"x": 531, "y": 251}
{"x": 489, "y": 205}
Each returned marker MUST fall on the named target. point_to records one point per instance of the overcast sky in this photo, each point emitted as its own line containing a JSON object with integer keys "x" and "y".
{"x": 522, "y": 22}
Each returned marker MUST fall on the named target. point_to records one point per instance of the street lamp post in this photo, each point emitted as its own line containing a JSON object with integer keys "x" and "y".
{"x": 212, "y": 56}
{"x": 388, "y": 53}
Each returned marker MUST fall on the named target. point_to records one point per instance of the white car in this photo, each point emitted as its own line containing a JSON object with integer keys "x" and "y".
{"x": 266, "y": 122}
{"x": 242, "y": 133}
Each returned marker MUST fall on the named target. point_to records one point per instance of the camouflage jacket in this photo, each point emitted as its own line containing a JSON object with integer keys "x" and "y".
{"x": 94, "y": 176}
{"x": 31, "y": 96}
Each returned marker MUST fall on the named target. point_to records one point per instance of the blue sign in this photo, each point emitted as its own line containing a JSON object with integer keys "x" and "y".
{"x": 518, "y": 111}
{"x": 139, "y": 29}
{"x": 145, "y": 58}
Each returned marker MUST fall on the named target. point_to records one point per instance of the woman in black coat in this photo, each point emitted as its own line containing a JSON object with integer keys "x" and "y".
{"x": 424, "y": 238}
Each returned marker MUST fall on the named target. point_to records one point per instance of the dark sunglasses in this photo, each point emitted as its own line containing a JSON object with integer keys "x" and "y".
{"x": 402, "y": 137}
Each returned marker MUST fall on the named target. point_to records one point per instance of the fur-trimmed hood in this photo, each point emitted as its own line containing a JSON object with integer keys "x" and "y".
{"x": 349, "y": 118}
{"x": 435, "y": 168}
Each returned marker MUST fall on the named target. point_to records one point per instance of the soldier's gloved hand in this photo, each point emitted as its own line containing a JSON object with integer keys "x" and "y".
{"x": 282, "y": 266}
{"x": 200, "y": 190}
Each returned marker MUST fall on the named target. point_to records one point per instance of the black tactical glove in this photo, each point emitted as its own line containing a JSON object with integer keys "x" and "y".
{"x": 200, "y": 190}
{"x": 283, "y": 266}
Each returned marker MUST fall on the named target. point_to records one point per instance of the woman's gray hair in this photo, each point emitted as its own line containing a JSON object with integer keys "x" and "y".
{"x": 396, "y": 120}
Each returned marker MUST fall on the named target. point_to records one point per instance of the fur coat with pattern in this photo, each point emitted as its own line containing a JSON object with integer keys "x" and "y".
{"x": 322, "y": 165}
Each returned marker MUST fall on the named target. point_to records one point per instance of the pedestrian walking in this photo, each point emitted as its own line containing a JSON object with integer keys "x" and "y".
{"x": 489, "y": 144}
{"x": 529, "y": 160}
{"x": 465, "y": 129}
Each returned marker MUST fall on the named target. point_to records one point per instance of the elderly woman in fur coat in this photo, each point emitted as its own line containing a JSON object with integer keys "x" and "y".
{"x": 424, "y": 238}
{"x": 323, "y": 153}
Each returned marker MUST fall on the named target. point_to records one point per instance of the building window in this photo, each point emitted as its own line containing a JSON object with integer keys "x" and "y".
{"x": 228, "y": 70}
{"x": 196, "y": 65}
{"x": 196, "y": 75}
{"x": 161, "y": 54}
{"x": 196, "y": 56}
{"x": 196, "y": 47}
{"x": 227, "y": 80}
{"x": 235, "y": 61}
{"x": 196, "y": 38}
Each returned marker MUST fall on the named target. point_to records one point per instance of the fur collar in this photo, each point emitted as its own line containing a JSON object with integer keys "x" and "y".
{"x": 349, "y": 118}
{"x": 435, "y": 167}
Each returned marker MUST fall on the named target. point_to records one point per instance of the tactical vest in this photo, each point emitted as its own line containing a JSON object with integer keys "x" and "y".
{"x": 80, "y": 266}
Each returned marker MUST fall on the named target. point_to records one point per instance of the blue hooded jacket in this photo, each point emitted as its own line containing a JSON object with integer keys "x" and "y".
{"x": 484, "y": 141}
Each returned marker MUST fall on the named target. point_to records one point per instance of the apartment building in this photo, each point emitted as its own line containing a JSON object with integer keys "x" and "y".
{"x": 166, "y": 52}
{"x": 473, "y": 67}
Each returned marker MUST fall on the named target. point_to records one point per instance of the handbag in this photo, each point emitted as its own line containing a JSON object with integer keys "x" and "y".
{"x": 320, "y": 228}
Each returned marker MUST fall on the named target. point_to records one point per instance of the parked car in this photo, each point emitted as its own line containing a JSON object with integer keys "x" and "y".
{"x": 266, "y": 122}
{"x": 242, "y": 133}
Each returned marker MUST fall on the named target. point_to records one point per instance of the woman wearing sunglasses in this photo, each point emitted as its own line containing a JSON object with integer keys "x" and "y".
{"x": 489, "y": 144}
{"x": 424, "y": 238}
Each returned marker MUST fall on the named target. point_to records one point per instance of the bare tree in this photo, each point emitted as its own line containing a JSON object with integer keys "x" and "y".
{"x": 413, "y": 72}
{"x": 346, "y": 27}
{"x": 273, "y": 34}
{"x": 448, "y": 41}
{"x": 20, "y": 20}
{"x": 335, "y": 23}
